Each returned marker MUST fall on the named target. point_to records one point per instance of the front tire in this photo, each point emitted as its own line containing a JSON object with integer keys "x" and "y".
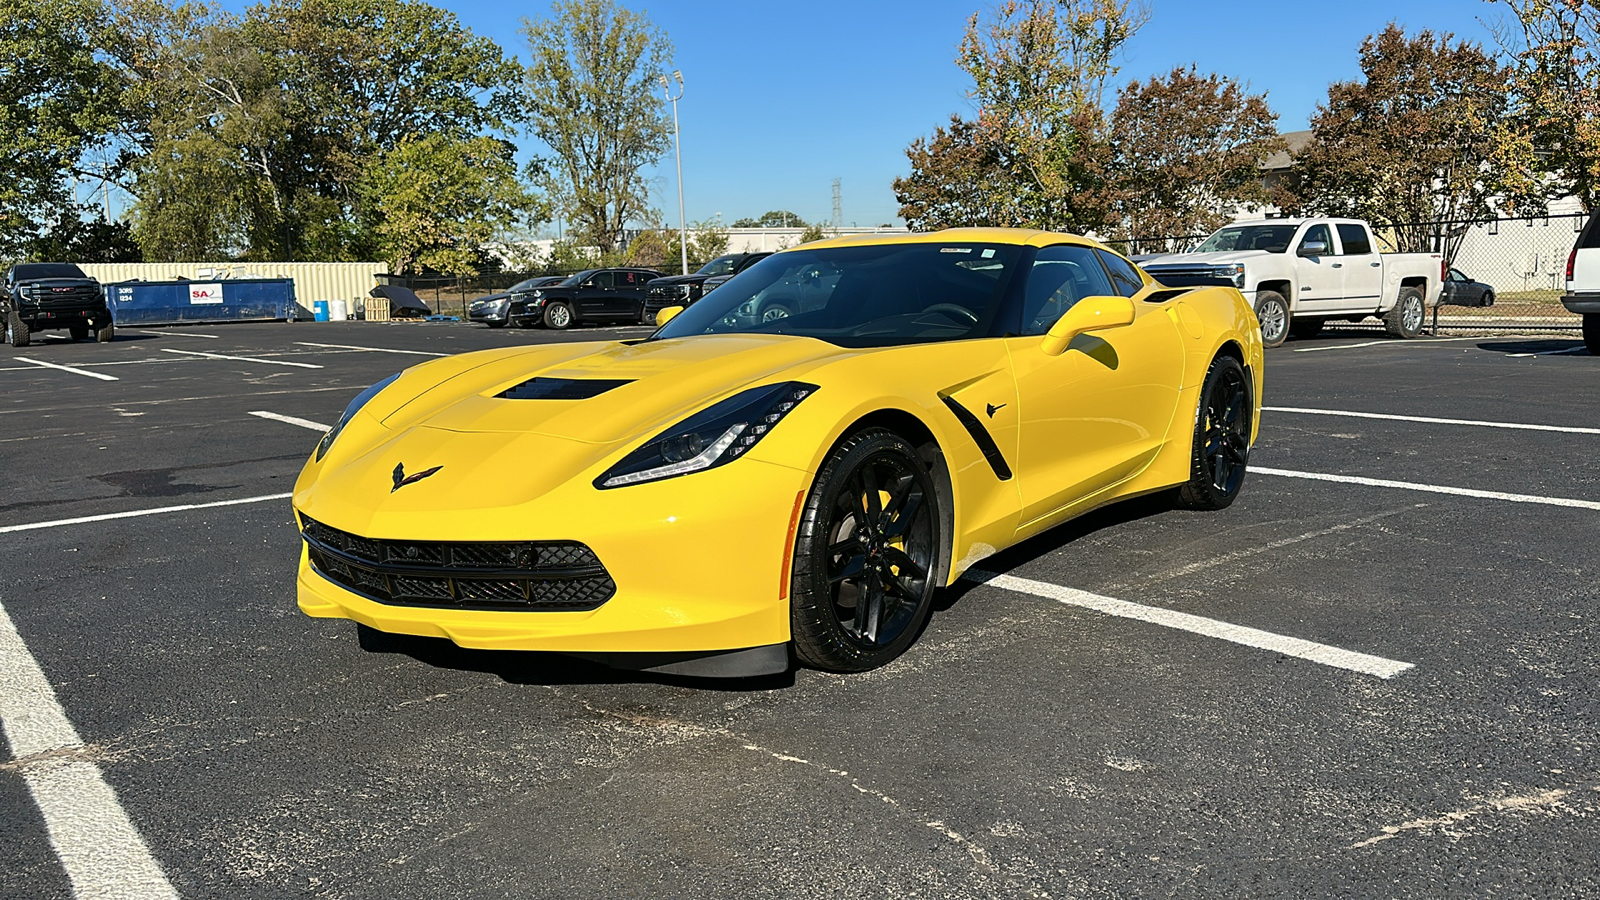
{"x": 106, "y": 333}
{"x": 17, "y": 333}
{"x": 1406, "y": 318}
{"x": 1591, "y": 332}
{"x": 865, "y": 555}
{"x": 1221, "y": 438}
{"x": 1273, "y": 314}
{"x": 558, "y": 316}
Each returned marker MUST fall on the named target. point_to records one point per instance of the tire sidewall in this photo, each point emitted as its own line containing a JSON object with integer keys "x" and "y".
{"x": 554, "y": 312}
{"x": 1200, "y": 492}
{"x": 1263, "y": 300}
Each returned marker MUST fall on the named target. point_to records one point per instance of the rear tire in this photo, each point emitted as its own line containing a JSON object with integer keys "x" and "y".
{"x": 1591, "y": 332}
{"x": 1273, "y": 315}
{"x": 1306, "y": 328}
{"x": 17, "y": 334}
{"x": 1221, "y": 450}
{"x": 558, "y": 316}
{"x": 106, "y": 334}
{"x": 1406, "y": 318}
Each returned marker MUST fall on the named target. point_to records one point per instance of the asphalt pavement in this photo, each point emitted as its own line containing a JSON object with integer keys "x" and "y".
{"x": 1149, "y": 703}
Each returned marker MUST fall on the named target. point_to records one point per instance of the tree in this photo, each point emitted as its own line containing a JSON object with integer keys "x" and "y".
{"x": 657, "y": 247}
{"x": 1037, "y": 151}
{"x": 439, "y": 200}
{"x": 1188, "y": 151}
{"x": 1411, "y": 144}
{"x": 777, "y": 218}
{"x": 814, "y": 232}
{"x": 591, "y": 88}
{"x": 72, "y": 236}
{"x": 1548, "y": 144}
{"x": 57, "y": 100}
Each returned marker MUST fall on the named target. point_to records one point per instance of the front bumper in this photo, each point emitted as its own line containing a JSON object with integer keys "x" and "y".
{"x": 62, "y": 316}
{"x": 1583, "y": 304}
{"x": 498, "y": 314}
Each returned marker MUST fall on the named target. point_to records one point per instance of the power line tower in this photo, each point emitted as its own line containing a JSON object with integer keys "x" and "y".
{"x": 838, "y": 205}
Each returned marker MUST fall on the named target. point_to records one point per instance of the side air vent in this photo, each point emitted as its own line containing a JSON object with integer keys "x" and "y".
{"x": 561, "y": 388}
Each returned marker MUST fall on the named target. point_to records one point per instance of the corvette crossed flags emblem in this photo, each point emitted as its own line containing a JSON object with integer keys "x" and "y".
{"x": 401, "y": 479}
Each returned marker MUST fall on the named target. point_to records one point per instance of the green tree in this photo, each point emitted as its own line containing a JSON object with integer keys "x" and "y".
{"x": 69, "y": 235}
{"x": 777, "y": 218}
{"x": 815, "y": 232}
{"x": 1548, "y": 143}
{"x": 57, "y": 101}
{"x": 1188, "y": 151}
{"x": 658, "y": 247}
{"x": 1409, "y": 145}
{"x": 439, "y": 200}
{"x": 592, "y": 99}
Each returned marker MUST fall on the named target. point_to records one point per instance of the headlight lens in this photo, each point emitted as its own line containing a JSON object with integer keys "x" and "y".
{"x": 1235, "y": 272}
{"x": 718, "y": 434}
{"x": 350, "y": 411}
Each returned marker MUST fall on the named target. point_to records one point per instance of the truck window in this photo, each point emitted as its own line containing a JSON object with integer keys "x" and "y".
{"x": 1590, "y": 238}
{"x": 1354, "y": 238}
{"x": 1318, "y": 233}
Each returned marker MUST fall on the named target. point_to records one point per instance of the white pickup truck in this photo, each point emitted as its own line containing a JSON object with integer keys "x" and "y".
{"x": 1300, "y": 273}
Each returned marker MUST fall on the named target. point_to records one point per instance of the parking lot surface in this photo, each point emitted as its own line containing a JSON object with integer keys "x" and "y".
{"x": 1374, "y": 675}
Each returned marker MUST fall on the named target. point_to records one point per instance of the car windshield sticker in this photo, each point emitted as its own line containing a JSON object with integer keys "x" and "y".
{"x": 955, "y": 249}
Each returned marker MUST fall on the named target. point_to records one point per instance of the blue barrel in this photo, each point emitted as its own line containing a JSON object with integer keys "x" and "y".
{"x": 174, "y": 302}
{"x": 319, "y": 310}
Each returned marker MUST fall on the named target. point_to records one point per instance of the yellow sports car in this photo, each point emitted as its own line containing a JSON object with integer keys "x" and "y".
{"x": 792, "y": 465}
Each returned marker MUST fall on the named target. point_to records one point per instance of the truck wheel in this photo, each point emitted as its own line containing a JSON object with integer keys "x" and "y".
{"x": 1273, "y": 314}
{"x": 1591, "y": 332}
{"x": 1306, "y": 328}
{"x": 558, "y": 315}
{"x": 16, "y": 330}
{"x": 1405, "y": 320}
{"x": 78, "y": 332}
{"x": 106, "y": 333}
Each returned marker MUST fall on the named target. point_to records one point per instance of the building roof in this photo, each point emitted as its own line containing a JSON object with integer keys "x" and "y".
{"x": 1297, "y": 140}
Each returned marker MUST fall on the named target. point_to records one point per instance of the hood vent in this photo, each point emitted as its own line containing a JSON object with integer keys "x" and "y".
{"x": 561, "y": 388}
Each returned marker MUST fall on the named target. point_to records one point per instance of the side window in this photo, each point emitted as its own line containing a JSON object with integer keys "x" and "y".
{"x": 1318, "y": 233}
{"x": 1354, "y": 238}
{"x": 1455, "y": 275}
{"x": 1590, "y": 238}
{"x": 1124, "y": 275}
{"x": 1061, "y": 276}
{"x": 602, "y": 279}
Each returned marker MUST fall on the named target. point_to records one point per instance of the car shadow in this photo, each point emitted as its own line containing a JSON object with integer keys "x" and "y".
{"x": 528, "y": 667}
{"x": 1564, "y": 346}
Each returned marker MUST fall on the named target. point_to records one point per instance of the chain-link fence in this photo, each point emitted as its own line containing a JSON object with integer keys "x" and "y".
{"x": 449, "y": 295}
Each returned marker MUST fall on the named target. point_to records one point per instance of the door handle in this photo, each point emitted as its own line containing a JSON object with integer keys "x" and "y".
{"x": 1375, "y": 265}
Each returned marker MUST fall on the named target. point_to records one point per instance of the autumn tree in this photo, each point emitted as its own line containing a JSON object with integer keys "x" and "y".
{"x": 1548, "y": 143}
{"x": 593, "y": 98}
{"x": 658, "y": 246}
{"x": 1188, "y": 152}
{"x": 1410, "y": 144}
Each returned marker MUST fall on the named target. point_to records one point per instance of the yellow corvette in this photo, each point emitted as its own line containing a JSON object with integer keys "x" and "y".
{"x": 793, "y": 464}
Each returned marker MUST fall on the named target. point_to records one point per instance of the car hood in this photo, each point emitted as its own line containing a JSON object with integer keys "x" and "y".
{"x": 638, "y": 389}
{"x": 490, "y": 298}
{"x": 1203, "y": 259}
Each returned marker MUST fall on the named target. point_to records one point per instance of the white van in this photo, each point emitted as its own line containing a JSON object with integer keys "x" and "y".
{"x": 1583, "y": 283}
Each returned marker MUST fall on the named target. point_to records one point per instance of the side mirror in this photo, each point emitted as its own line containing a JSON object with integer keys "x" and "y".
{"x": 1313, "y": 248}
{"x": 1088, "y": 314}
{"x": 667, "y": 315}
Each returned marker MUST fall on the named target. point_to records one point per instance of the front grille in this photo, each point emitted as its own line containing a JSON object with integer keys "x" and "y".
{"x": 48, "y": 296}
{"x": 515, "y": 575}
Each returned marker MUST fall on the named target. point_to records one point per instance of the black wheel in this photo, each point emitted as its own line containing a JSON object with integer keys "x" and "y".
{"x": 1405, "y": 320}
{"x": 1221, "y": 438}
{"x": 1488, "y": 298}
{"x": 863, "y": 561}
{"x": 1273, "y": 314}
{"x": 106, "y": 333}
{"x": 1306, "y": 328}
{"x": 557, "y": 315}
{"x": 78, "y": 332}
{"x": 1591, "y": 332}
{"x": 16, "y": 330}
{"x": 772, "y": 312}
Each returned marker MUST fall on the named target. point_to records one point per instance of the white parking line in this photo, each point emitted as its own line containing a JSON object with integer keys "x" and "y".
{"x": 270, "y": 362}
{"x": 171, "y": 333}
{"x": 303, "y": 423}
{"x": 1429, "y": 420}
{"x": 99, "y": 848}
{"x": 1431, "y": 488}
{"x": 1395, "y": 342}
{"x": 135, "y": 513}
{"x": 370, "y": 349}
{"x": 1565, "y": 352}
{"x": 49, "y": 365}
{"x": 1325, "y": 654}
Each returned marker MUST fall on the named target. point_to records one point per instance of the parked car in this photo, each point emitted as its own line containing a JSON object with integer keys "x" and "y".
{"x": 1583, "y": 283}
{"x": 593, "y": 295}
{"x": 494, "y": 310}
{"x": 1300, "y": 273}
{"x": 38, "y": 296}
{"x": 1459, "y": 290}
{"x": 683, "y": 290}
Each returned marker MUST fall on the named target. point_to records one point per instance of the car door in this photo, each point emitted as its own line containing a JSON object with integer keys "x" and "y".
{"x": 1098, "y": 413}
{"x": 627, "y": 295}
{"x": 1362, "y": 267}
{"x": 593, "y": 296}
{"x": 1320, "y": 282}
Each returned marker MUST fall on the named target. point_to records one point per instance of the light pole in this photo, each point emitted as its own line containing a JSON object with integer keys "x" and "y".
{"x": 677, "y": 143}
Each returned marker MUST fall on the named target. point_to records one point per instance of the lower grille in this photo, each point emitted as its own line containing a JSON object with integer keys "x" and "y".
{"x": 509, "y": 575}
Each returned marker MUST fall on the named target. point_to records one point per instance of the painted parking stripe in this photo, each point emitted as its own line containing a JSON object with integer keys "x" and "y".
{"x": 171, "y": 333}
{"x": 98, "y": 846}
{"x": 1430, "y": 488}
{"x": 136, "y": 513}
{"x": 303, "y": 423}
{"x": 1325, "y": 654}
{"x": 269, "y": 362}
{"x": 1566, "y": 352}
{"x": 50, "y": 365}
{"x": 1395, "y": 342}
{"x": 370, "y": 349}
{"x": 1429, "y": 420}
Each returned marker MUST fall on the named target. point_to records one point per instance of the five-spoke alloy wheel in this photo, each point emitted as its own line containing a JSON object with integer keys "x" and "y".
{"x": 1221, "y": 437}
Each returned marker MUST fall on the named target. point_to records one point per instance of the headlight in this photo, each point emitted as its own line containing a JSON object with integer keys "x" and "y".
{"x": 350, "y": 411}
{"x": 716, "y": 435}
{"x": 1235, "y": 272}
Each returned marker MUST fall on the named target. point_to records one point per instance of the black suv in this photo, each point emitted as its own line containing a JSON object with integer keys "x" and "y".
{"x": 593, "y": 295}
{"x": 53, "y": 295}
{"x": 682, "y": 290}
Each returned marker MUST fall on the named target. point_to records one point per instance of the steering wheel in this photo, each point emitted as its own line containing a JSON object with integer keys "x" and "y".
{"x": 957, "y": 309}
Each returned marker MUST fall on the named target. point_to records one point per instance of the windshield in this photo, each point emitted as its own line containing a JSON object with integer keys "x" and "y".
{"x": 526, "y": 285}
{"x": 575, "y": 280}
{"x": 49, "y": 270}
{"x": 869, "y": 296}
{"x": 1271, "y": 238}
{"x": 722, "y": 265}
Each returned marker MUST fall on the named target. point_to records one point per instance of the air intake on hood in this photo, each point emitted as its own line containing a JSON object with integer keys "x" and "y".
{"x": 561, "y": 388}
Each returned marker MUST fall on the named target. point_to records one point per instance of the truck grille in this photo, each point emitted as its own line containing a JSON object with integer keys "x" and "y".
{"x": 510, "y": 575}
{"x": 77, "y": 295}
